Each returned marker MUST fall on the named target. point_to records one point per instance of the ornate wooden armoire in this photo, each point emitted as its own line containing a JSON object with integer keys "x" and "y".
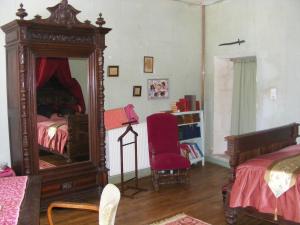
{"x": 60, "y": 35}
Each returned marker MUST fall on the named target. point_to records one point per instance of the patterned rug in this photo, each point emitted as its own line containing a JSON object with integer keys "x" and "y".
{"x": 45, "y": 165}
{"x": 180, "y": 219}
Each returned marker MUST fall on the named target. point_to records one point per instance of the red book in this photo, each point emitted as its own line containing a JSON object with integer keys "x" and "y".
{"x": 179, "y": 106}
{"x": 184, "y": 104}
{"x": 191, "y": 102}
{"x": 198, "y": 105}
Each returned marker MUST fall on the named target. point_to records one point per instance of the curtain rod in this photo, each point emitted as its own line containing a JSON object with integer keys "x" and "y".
{"x": 250, "y": 58}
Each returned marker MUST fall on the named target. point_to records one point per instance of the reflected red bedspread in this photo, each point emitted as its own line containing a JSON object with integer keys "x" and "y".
{"x": 58, "y": 141}
{"x": 250, "y": 188}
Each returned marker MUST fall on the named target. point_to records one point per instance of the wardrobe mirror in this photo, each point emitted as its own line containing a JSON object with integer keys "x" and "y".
{"x": 62, "y": 103}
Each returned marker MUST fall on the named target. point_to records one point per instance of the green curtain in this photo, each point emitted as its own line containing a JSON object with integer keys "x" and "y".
{"x": 243, "y": 116}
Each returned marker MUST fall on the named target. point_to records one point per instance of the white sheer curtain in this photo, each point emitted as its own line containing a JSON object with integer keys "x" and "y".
{"x": 243, "y": 116}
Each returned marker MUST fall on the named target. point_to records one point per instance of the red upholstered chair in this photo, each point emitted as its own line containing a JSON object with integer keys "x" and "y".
{"x": 166, "y": 162}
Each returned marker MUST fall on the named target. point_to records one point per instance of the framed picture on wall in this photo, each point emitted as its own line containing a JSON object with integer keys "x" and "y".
{"x": 113, "y": 71}
{"x": 137, "y": 91}
{"x": 158, "y": 88}
{"x": 148, "y": 64}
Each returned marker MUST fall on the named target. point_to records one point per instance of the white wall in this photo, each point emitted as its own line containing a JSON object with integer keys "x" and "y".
{"x": 79, "y": 70}
{"x": 223, "y": 86}
{"x": 272, "y": 33}
{"x": 165, "y": 29}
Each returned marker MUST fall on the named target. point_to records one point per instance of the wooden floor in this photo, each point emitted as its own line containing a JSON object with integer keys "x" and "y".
{"x": 201, "y": 199}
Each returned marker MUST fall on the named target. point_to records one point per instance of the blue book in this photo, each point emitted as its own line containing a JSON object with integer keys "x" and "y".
{"x": 198, "y": 149}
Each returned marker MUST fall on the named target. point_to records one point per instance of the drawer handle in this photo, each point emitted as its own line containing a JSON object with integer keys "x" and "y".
{"x": 67, "y": 186}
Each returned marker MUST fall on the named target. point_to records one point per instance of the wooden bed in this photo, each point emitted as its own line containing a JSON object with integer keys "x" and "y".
{"x": 248, "y": 146}
{"x": 77, "y": 145}
{"x": 30, "y": 208}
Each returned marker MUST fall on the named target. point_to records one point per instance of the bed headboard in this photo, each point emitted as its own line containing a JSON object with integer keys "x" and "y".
{"x": 55, "y": 95}
{"x": 247, "y": 146}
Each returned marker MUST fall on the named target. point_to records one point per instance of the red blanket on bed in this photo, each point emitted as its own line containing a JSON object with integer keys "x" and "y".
{"x": 56, "y": 142}
{"x": 250, "y": 188}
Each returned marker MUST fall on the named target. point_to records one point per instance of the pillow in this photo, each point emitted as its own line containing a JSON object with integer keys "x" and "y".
{"x": 114, "y": 118}
{"x": 45, "y": 110}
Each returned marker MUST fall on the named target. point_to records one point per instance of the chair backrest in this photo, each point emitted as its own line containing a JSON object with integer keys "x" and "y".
{"x": 109, "y": 202}
{"x": 162, "y": 134}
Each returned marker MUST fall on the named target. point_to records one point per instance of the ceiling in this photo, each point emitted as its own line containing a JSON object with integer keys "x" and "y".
{"x": 199, "y": 2}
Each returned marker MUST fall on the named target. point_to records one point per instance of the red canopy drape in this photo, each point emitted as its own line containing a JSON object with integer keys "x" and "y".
{"x": 59, "y": 67}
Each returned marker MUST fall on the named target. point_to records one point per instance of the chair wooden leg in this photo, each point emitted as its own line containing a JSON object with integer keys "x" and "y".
{"x": 186, "y": 177}
{"x": 155, "y": 180}
{"x": 69, "y": 205}
{"x": 178, "y": 177}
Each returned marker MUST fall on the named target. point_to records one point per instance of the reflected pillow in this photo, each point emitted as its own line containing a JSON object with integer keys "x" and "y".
{"x": 56, "y": 117}
{"x": 41, "y": 118}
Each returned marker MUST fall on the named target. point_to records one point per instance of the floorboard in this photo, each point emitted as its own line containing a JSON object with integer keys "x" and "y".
{"x": 201, "y": 199}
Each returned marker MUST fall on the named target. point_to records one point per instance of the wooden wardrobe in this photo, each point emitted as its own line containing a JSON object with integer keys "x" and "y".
{"x": 61, "y": 35}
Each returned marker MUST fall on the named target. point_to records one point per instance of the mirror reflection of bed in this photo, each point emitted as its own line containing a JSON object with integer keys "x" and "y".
{"x": 62, "y": 120}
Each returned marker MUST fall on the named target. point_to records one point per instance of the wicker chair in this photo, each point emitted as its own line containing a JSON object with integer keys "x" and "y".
{"x": 107, "y": 210}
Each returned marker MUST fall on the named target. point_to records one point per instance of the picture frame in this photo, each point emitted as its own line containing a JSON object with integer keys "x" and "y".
{"x": 113, "y": 71}
{"x": 148, "y": 64}
{"x": 158, "y": 88}
{"x": 137, "y": 91}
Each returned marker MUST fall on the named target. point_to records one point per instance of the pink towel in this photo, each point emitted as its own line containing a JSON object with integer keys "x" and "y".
{"x": 114, "y": 118}
{"x": 130, "y": 113}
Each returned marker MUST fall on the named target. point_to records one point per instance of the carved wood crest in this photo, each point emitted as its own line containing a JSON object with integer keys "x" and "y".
{"x": 64, "y": 14}
{"x": 61, "y": 14}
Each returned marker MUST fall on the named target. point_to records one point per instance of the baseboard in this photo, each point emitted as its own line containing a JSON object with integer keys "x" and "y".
{"x": 116, "y": 179}
{"x": 217, "y": 160}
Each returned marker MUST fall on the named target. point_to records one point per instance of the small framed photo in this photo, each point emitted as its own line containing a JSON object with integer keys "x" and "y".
{"x": 137, "y": 91}
{"x": 113, "y": 71}
{"x": 158, "y": 88}
{"x": 148, "y": 64}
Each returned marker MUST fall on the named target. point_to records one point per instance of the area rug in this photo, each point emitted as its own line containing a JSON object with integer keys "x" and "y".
{"x": 180, "y": 219}
{"x": 45, "y": 165}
